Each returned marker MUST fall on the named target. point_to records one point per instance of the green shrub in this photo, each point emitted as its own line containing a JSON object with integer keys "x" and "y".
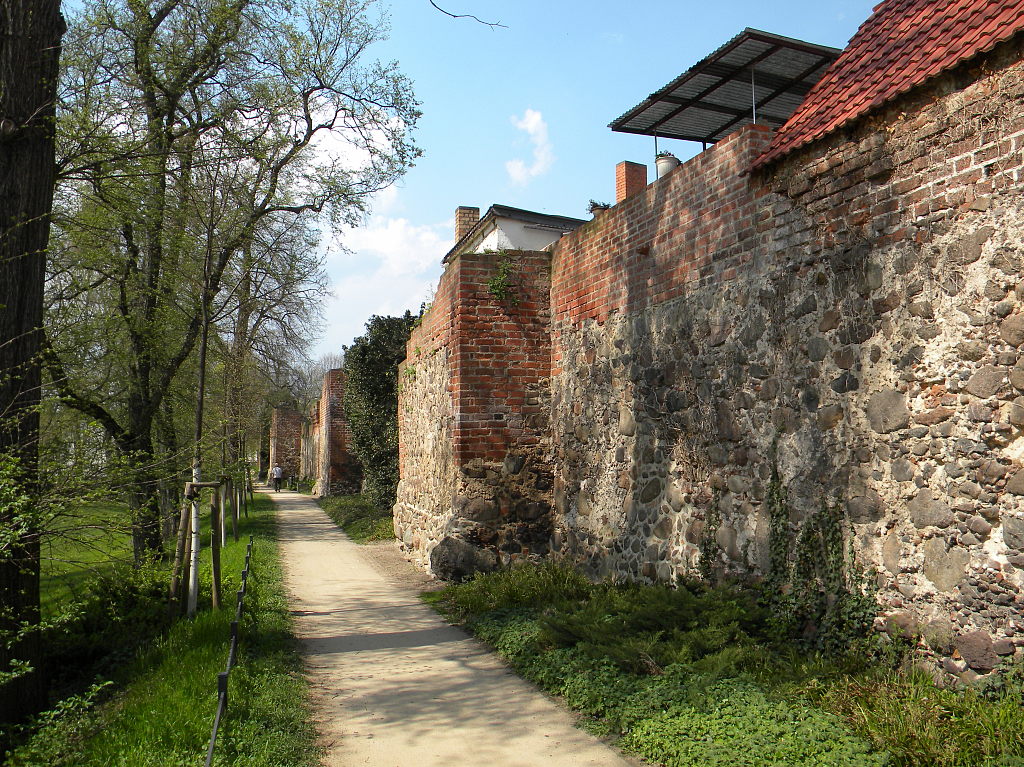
{"x": 643, "y": 628}
{"x": 922, "y": 724}
{"x": 371, "y": 403}
{"x": 361, "y": 520}
{"x": 522, "y": 585}
{"x": 120, "y": 611}
{"x": 161, "y": 713}
{"x": 694, "y": 676}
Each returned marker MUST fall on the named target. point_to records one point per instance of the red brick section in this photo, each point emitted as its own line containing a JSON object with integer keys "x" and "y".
{"x": 695, "y": 225}
{"x": 286, "y": 440}
{"x": 902, "y": 45}
{"x": 870, "y": 188}
{"x": 630, "y": 179}
{"x": 499, "y": 350}
{"x": 503, "y": 353}
{"x": 339, "y": 471}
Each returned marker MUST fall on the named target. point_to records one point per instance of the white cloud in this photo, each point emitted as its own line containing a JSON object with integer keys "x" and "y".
{"x": 533, "y": 125}
{"x": 398, "y": 246}
{"x": 355, "y": 298}
{"x": 389, "y": 265}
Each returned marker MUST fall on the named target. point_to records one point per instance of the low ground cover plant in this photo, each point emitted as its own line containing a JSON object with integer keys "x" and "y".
{"x": 701, "y": 675}
{"x": 361, "y": 520}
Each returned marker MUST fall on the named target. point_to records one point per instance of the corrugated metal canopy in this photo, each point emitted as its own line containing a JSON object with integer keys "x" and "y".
{"x": 754, "y": 72}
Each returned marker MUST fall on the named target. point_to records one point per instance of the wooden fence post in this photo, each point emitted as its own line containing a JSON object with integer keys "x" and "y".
{"x": 215, "y": 532}
{"x": 177, "y": 576}
{"x": 186, "y": 564}
{"x": 235, "y": 503}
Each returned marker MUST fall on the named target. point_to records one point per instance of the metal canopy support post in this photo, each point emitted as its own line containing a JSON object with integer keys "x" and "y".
{"x": 753, "y": 97}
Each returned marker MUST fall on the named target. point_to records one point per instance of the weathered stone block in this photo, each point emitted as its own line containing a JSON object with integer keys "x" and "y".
{"x": 865, "y": 508}
{"x": 887, "y": 411}
{"x": 975, "y": 648}
{"x": 1013, "y": 533}
{"x": 987, "y": 381}
{"x": 945, "y": 569}
{"x": 927, "y": 511}
{"x": 454, "y": 559}
{"x": 1011, "y": 330}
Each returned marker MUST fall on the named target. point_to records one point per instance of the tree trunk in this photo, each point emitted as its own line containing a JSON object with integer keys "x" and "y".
{"x": 144, "y": 495}
{"x": 170, "y": 485}
{"x": 238, "y": 355}
{"x": 30, "y": 36}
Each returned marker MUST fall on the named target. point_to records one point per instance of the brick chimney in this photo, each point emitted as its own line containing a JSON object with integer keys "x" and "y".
{"x": 630, "y": 178}
{"x": 465, "y": 219}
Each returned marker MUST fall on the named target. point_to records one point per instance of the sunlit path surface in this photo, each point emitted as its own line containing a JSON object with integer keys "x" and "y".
{"x": 397, "y": 686}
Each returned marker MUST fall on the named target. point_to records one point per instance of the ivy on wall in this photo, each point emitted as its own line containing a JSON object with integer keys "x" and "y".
{"x": 371, "y": 402}
{"x": 815, "y": 589}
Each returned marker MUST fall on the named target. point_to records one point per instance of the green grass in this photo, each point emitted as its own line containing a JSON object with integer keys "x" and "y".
{"x": 162, "y": 709}
{"x": 696, "y": 676}
{"x": 361, "y": 520}
{"x": 86, "y": 541}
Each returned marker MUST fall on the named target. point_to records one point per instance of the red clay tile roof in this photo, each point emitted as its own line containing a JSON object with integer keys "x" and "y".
{"x": 902, "y": 44}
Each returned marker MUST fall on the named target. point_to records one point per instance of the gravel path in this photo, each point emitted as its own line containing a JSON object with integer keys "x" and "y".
{"x": 396, "y": 686}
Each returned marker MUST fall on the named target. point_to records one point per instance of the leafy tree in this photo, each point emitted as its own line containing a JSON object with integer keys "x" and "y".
{"x": 191, "y": 129}
{"x": 371, "y": 402}
{"x": 30, "y": 31}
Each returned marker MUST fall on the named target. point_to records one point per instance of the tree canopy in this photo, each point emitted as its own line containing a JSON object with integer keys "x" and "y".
{"x": 202, "y": 144}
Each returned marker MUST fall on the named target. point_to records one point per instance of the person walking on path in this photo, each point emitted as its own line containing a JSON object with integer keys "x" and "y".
{"x": 394, "y": 684}
{"x": 276, "y": 475}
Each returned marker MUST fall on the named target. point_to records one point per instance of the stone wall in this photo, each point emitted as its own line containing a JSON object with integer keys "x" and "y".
{"x": 473, "y": 415}
{"x": 850, "y": 317}
{"x": 849, "y": 320}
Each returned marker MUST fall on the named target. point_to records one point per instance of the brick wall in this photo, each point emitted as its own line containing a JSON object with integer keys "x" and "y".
{"x": 310, "y": 442}
{"x": 286, "y": 440}
{"x": 695, "y": 225}
{"x": 502, "y": 354}
{"x": 339, "y": 473}
{"x": 849, "y": 320}
{"x": 472, "y": 458}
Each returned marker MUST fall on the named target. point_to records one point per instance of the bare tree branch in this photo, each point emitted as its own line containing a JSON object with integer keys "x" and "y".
{"x": 490, "y": 24}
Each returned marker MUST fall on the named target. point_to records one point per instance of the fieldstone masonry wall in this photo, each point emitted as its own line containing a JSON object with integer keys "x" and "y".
{"x": 852, "y": 317}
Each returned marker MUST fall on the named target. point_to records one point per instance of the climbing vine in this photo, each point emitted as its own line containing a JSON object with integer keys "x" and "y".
{"x": 815, "y": 590}
{"x": 709, "y": 541}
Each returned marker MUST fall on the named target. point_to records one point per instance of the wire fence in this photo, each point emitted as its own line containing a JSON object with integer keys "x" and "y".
{"x": 222, "y": 677}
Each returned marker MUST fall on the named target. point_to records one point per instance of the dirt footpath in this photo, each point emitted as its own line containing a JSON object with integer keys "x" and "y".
{"x": 395, "y": 685}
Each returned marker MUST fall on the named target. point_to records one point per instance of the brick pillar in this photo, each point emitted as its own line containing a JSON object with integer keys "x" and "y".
{"x": 465, "y": 219}
{"x": 286, "y": 440}
{"x": 630, "y": 178}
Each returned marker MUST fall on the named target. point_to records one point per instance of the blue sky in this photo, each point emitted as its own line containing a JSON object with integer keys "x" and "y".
{"x": 518, "y": 116}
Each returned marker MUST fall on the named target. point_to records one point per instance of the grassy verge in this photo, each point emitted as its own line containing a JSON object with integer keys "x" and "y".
{"x": 160, "y": 710}
{"x": 361, "y": 520}
{"x": 88, "y": 541}
{"x": 695, "y": 676}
